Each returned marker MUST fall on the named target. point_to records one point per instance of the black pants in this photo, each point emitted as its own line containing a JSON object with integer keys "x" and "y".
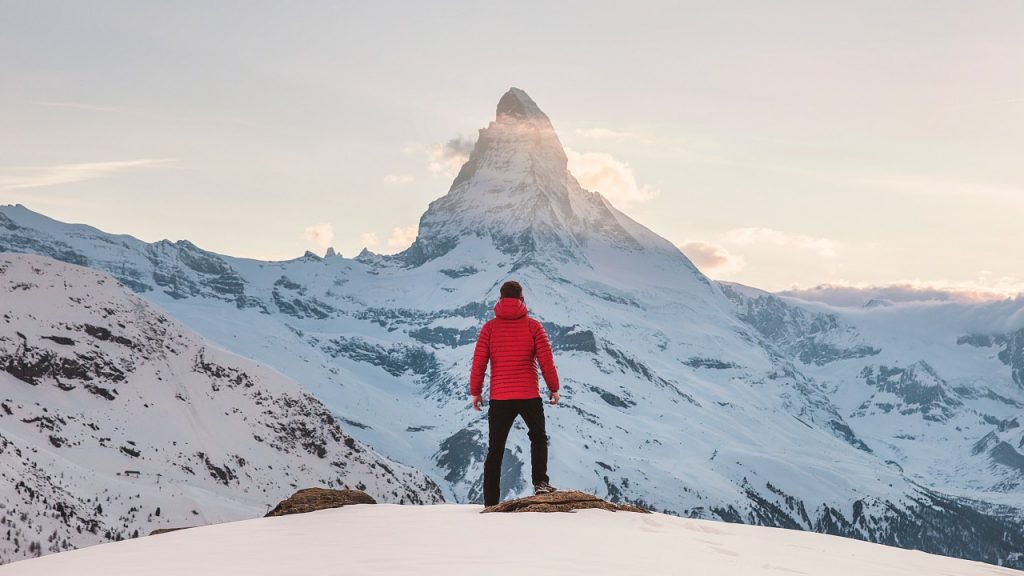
{"x": 501, "y": 414}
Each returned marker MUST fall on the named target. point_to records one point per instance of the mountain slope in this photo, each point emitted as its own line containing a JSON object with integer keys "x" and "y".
{"x": 931, "y": 386}
{"x": 679, "y": 394}
{"x": 388, "y": 539}
{"x": 115, "y": 420}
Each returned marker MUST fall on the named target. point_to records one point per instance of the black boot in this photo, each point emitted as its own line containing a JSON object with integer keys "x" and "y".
{"x": 543, "y": 488}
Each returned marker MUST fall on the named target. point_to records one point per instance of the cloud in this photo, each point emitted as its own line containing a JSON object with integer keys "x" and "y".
{"x": 611, "y": 177}
{"x": 399, "y": 239}
{"x": 856, "y": 295}
{"x": 321, "y": 235}
{"x": 459, "y": 146}
{"x": 444, "y": 159}
{"x": 67, "y": 173}
{"x": 823, "y": 247}
{"x": 369, "y": 240}
{"x": 712, "y": 259}
{"x": 398, "y": 179}
{"x": 402, "y": 238}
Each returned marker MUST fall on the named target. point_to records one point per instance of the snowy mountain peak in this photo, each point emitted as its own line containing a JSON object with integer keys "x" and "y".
{"x": 517, "y": 104}
{"x": 516, "y": 191}
{"x": 521, "y": 145}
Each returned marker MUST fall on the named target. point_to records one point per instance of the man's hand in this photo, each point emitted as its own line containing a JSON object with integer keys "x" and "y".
{"x": 554, "y": 397}
{"x": 478, "y": 402}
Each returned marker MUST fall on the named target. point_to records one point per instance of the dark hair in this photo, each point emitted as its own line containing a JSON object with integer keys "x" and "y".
{"x": 511, "y": 289}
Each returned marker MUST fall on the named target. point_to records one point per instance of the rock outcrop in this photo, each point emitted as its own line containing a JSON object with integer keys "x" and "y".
{"x": 313, "y": 499}
{"x": 561, "y": 501}
{"x": 166, "y": 530}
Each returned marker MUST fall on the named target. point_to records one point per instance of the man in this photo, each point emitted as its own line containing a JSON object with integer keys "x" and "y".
{"x": 514, "y": 344}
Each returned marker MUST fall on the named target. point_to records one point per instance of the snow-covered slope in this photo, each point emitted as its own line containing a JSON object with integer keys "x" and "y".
{"x": 936, "y": 387}
{"x": 389, "y": 539}
{"x": 115, "y": 419}
{"x": 677, "y": 394}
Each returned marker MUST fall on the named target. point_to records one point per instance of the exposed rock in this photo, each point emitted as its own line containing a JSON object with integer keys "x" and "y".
{"x": 813, "y": 337}
{"x": 313, "y": 499}
{"x": 166, "y": 530}
{"x": 561, "y": 501}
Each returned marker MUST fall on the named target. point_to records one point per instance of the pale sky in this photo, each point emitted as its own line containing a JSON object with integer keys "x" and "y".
{"x": 781, "y": 144}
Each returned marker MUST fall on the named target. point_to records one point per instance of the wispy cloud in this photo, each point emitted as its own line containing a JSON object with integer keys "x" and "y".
{"x": 17, "y": 178}
{"x": 824, "y": 247}
{"x": 369, "y": 240}
{"x": 712, "y": 259}
{"x": 320, "y": 235}
{"x": 444, "y": 159}
{"x": 857, "y": 294}
{"x": 610, "y": 176}
{"x": 399, "y": 239}
{"x": 402, "y": 238}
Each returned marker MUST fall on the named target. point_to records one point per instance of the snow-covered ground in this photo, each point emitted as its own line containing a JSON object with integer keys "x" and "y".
{"x": 450, "y": 540}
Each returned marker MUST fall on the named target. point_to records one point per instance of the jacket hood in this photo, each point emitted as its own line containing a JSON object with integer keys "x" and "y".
{"x": 510, "y": 309}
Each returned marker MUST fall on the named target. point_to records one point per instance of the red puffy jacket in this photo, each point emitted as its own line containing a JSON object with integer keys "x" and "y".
{"x": 513, "y": 343}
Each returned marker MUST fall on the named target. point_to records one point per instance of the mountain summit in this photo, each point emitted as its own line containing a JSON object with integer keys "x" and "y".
{"x": 518, "y": 104}
{"x": 517, "y": 191}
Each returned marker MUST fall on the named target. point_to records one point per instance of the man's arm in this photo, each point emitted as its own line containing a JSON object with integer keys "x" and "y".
{"x": 546, "y": 359}
{"x": 481, "y": 355}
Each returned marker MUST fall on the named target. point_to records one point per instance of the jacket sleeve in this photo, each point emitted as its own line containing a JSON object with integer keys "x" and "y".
{"x": 481, "y": 355}
{"x": 544, "y": 356}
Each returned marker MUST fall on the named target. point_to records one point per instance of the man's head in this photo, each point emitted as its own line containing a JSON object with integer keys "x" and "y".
{"x": 512, "y": 289}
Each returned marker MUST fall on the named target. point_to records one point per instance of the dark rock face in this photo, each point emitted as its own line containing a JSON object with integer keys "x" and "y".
{"x": 518, "y": 104}
{"x": 710, "y": 363}
{"x": 1004, "y": 449}
{"x": 313, "y": 499}
{"x": 396, "y": 318}
{"x": 460, "y": 272}
{"x": 33, "y": 365}
{"x": 291, "y": 298}
{"x": 1013, "y": 356}
{"x": 569, "y": 338}
{"x": 396, "y": 359}
{"x": 1012, "y": 353}
{"x": 917, "y": 389}
{"x": 459, "y": 451}
{"x": 439, "y": 336}
{"x": 166, "y": 530}
{"x": 1006, "y": 455}
{"x": 561, "y": 501}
